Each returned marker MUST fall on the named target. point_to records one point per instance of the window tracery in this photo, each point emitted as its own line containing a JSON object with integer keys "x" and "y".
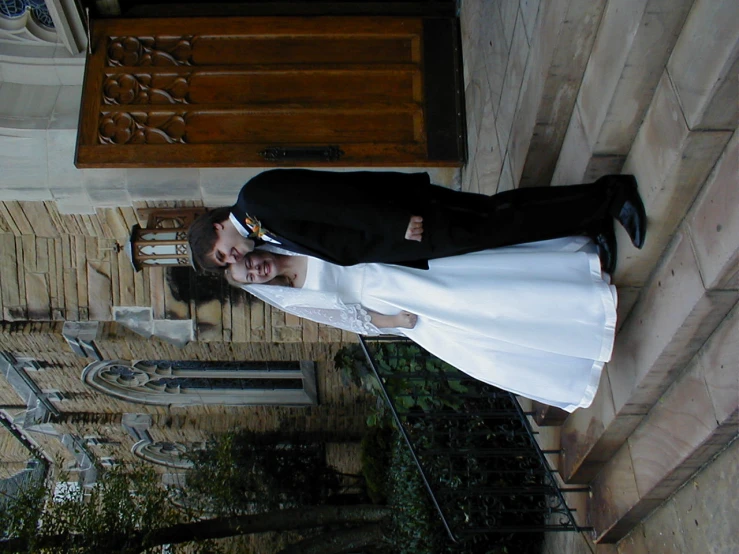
{"x": 195, "y": 383}
{"x": 26, "y": 21}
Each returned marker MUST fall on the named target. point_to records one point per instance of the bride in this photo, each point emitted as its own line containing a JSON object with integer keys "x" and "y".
{"x": 536, "y": 319}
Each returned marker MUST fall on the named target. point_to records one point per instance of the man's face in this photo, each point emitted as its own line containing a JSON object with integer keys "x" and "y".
{"x": 230, "y": 247}
{"x": 257, "y": 267}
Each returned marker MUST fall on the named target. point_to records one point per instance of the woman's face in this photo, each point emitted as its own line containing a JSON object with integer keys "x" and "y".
{"x": 257, "y": 267}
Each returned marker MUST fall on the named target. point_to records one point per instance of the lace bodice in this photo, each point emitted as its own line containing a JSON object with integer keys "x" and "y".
{"x": 319, "y": 300}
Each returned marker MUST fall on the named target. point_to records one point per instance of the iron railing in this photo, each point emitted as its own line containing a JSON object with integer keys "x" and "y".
{"x": 473, "y": 444}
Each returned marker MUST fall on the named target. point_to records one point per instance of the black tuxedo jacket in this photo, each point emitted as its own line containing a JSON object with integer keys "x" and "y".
{"x": 342, "y": 217}
{"x": 362, "y": 216}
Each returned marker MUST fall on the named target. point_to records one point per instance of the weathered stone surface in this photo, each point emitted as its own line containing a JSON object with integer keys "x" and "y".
{"x": 703, "y": 56}
{"x": 614, "y": 492}
{"x": 561, "y": 22}
{"x": 671, "y": 164}
{"x": 37, "y": 296}
{"x": 663, "y": 534}
{"x": 671, "y": 432}
{"x": 673, "y": 318}
{"x": 719, "y": 361}
{"x": 707, "y": 508}
{"x": 138, "y": 319}
{"x": 585, "y": 445}
{"x": 658, "y": 29}
{"x": 634, "y": 543}
{"x": 571, "y": 163}
{"x": 99, "y": 291}
{"x": 611, "y": 49}
{"x": 178, "y": 333}
{"x": 627, "y": 298}
{"x": 713, "y": 223}
{"x": 681, "y": 433}
{"x": 512, "y": 84}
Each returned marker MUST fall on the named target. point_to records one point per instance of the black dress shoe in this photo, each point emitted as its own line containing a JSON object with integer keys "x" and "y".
{"x": 632, "y": 214}
{"x": 605, "y": 240}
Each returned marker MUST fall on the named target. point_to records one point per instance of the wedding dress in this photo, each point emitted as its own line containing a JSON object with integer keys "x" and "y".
{"x": 536, "y": 319}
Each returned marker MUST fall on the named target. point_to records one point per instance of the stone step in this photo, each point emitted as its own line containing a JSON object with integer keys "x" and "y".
{"x": 568, "y": 30}
{"x": 694, "y": 287}
{"x": 630, "y": 52}
{"x": 678, "y": 304}
{"x": 696, "y": 418}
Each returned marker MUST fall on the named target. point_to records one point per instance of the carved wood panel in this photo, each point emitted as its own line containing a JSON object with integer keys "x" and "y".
{"x": 202, "y": 92}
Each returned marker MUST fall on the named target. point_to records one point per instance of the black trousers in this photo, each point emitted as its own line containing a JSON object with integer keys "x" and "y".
{"x": 456, "y": 222}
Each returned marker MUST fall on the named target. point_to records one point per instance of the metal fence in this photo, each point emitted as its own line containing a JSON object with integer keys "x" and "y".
{"x": 473, "y": 445}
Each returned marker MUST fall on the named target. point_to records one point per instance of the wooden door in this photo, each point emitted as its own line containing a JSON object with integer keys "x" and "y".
{"x": 272, "y": 91}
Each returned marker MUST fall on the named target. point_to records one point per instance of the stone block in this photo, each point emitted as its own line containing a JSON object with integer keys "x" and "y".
{"x": 713, "y": 222}
{"x": 138, "y": 319}
{"x": 475, "y": 95}
{"x": 72, "y": 72}
{"x": 672, "y": 431}
{"x": 634, "y": 542}
{"x": 601, "y": 164}
{"x": 509, "y": 17}
{"x": 490, "y": 54}
{"x": 99, "y": 290}
{"x": 178, "y": 333}
{"x": 671, "y": 164}
{"x": 585, "y": 444}
{"x": 678, "y": 436}
{"x": 37, "y": 296}
{"x": 512, "y": 84}
{"x": 23, "y": 101}
{"x": 707, "y": 507}
{"x": 614, "y": 492}
{"x": 221, "y": 186}
{"x": 722, "y": 110}
{"x": 703, "y": 56}
{"x": 488, "y": 162}
{"x": 719, "y": 361}
{"x": 616, "y": 34}
{"x": 673, "y": 318}
{"x": 24, "y": 160}
{"x": 163, "y": 184}
{"x": 664, "y": 532}
{"x": 649, "y": 51}
{"x": 627, "y": 297}
{"x": 209, "y": 324}
{"x": 529, "y": 11}
{"x": 528, "y": 102}
{"x": 108, "y": 196}
{"x": 73, "y": 201}
{"x": 558, "y": 22}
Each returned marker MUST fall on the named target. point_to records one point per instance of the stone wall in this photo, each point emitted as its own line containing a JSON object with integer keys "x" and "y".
{"x": 339, "y": 416}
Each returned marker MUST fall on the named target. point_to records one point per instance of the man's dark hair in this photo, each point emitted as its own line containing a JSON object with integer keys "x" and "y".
{"x": 202, "y": 238}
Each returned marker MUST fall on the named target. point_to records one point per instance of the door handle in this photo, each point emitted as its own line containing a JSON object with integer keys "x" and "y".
{"x": 330, "y": 153}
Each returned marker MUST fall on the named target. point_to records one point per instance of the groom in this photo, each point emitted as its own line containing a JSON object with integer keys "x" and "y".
{"x": 401, "y": 218}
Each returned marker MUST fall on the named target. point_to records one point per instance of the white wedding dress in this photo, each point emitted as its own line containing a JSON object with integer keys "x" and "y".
{"x": 536, "y": 319}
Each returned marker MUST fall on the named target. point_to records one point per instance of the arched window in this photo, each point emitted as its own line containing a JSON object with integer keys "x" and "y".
{"x": 191, "y": 383}
{"x": 42, "y": 22}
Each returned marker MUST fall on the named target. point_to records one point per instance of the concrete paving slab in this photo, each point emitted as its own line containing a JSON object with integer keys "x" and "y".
{"x": 707, "y": 506}
{"x": 663, "y": 534}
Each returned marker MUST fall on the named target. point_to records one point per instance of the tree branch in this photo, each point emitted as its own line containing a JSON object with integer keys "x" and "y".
{"x": 338, "y": 542}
